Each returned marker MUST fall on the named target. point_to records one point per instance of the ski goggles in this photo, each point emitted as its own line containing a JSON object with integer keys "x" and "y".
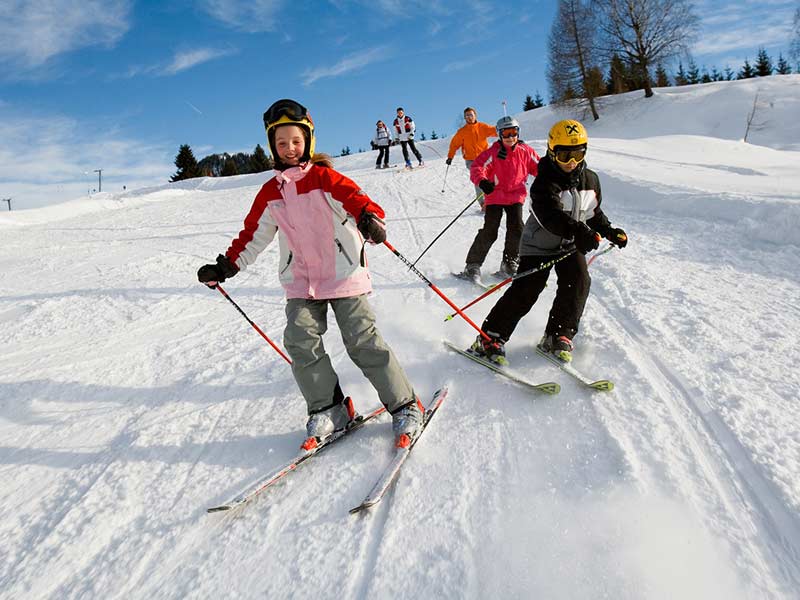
{"x": 509, "y": 133}
{"x": 286, "y": 111}
{"x": 570, "y": 155}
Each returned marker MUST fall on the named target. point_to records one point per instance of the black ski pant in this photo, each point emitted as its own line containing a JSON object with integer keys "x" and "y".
{"x": 383, "y": 156}
{"x": 571, "y": 293}
{"x": 488, "y": 233}
{"x": 405, "y": 145}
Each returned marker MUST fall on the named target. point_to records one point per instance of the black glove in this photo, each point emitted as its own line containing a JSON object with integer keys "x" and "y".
{"x": 211, "y": 275}
{"x": 372, "y": 227}
{"x": 586, "y": 239}
{"x": 487, "y": 187}
{"x": 617, "y": 236}
{"x": 448, "y": 162}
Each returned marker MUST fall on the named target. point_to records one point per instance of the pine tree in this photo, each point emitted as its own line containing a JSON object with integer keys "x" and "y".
{"x": 783, "y": 67}
{"x": 763, "y": 64}
{"x": 681, "y": 77}
{"x": 616, "y": 76}
{"x": 715, "y": 74}
{"x": 538, "y": 101}
{"x": 229, "y": 167}
{"x": 259, "y": 161}
{"x": 705, "y": 77}
{"x": 728, "y": 73}
{"x": 186, "y": 163}
{"x": 346, "y": 151}
{"x": 693, "y": 74}
{"x": 662, "y": 79}
{"x": 528, "y": 104}
{"x": 434, "y": 136}
{"x": 747, "y": 71}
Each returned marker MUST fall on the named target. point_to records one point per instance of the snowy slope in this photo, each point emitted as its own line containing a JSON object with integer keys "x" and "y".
{"x": 132, "y": 398}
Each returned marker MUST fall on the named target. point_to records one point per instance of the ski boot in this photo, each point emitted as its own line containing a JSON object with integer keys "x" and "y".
{"x": 559, "y": 346}
{"x": 322, "y": 424}
{"x": 509, "y": 266}
{"x": 407, "y": 423}
{"x": 493, "y": 349}
{"x": 408, "y": 165}
{"x": 421, "y": 163}
{"x": 473, "y": 272}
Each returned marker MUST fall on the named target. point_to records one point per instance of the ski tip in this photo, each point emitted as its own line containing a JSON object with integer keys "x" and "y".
{"x": 603, "y": 385}
{"x": 551, "y": 387}
{"x": 359, "y": 508}
{"x": 222, "y": 508}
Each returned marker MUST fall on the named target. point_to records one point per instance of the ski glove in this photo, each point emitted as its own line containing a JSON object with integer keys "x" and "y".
{"x": 487, "y": 187}
{"x": 448, "y": 162}
{"x": 372, "y": 227}
{"x": 586, "y": 239}
{"x": 211, "y": 275}
{"x": 617, "y": 236}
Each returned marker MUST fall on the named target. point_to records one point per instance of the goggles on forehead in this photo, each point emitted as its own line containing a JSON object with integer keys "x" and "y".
{"x": 568, "y": 155}
{"x": 509, "y": 132}
{"x": 286, "y": 111}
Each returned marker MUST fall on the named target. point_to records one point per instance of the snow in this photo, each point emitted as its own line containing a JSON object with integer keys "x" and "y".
{"x": 132, "y": 398}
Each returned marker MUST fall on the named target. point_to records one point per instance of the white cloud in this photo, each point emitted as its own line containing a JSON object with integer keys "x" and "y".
{"x": 349, "y": 63}
{"x": 251, "y": 16}
{"x": 49, "y": 159}
{"x": 32, "y": 33}
{"x": 744, "y": 26}
{"x": 192, "y": 58}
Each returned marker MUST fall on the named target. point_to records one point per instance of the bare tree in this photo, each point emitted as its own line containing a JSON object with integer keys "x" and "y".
{"x": 572, "y": 70}
{"x": 647, "y": 32}
{"x": 752, "y": 125}
{"x": 794, "y": 47}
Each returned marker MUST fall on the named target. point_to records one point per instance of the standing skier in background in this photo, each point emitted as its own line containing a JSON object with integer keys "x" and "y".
{"x": 320, "y": 217}
{"x": 565, "y": 217}
{"x": 382, "y": 141}
{"x": 500, "y": 172}
{"x": 471, "y": 140}
{"x": 404, "y": 128}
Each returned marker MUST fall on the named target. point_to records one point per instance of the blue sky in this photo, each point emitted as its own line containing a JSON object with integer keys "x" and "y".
{"x": 118, "y": 85}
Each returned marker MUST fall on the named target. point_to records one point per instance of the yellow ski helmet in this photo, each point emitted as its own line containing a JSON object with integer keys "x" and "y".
{"x": 289, "y": 112}
{"x": 567, "y": 141}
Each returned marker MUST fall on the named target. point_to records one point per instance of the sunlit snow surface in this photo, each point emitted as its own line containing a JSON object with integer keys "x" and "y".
{"x": 132, "y": 398}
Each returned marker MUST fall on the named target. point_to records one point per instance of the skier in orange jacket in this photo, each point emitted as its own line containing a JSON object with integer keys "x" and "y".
{"x": 472, "y": 140}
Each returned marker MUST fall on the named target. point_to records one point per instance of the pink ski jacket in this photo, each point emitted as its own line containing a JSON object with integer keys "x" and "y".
{"x": 314, "y": 210}
{"x": 508, "y": 169}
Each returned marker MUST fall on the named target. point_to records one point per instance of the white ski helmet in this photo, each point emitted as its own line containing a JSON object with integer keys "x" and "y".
{"x": 506, "y": 123}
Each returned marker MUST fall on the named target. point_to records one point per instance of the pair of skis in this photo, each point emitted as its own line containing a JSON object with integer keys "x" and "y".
{"x": 378, "y": 491}
{"x": 549, "y": 387}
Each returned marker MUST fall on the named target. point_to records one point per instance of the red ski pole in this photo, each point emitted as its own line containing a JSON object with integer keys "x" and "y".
{"x": 256, "y": 327}
{"x": 435, "y": 289}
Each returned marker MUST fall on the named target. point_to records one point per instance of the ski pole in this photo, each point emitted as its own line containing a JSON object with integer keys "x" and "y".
{"x": 605, "y": 250}
{"x": 264, "y": 335}
{"x": 496, "y": 287}
{"x": 435, "y": 289}
{"x": 446, "y": 171}
{"x": 478, "y": 197}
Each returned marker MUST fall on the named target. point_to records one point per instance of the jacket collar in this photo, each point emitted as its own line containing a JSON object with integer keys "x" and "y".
{"x": 293, "y": 173}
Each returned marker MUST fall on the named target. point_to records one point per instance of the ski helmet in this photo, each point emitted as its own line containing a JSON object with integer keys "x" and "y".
{"x": 567, "y": 141}
{"x": 506, "y": 123}
{"x": 289, "y": 112}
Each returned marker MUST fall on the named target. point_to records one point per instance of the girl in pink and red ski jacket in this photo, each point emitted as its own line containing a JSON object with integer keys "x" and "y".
{"x": 322, "y": 220}
{"x": 500, "y": 172}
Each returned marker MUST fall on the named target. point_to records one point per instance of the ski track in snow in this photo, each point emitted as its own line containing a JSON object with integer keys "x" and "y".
{"x": 134, "y": 398}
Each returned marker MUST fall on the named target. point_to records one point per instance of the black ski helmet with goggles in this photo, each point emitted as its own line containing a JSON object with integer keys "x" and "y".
{"x": 289, "y": 112}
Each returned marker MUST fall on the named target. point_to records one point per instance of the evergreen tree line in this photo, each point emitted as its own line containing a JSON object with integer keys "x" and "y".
{"x": 220, "y": 165}
{"x": 602, "y": 47}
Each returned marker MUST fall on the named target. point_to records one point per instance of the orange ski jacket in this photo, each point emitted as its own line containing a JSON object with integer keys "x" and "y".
{"x": 471, "y": 139}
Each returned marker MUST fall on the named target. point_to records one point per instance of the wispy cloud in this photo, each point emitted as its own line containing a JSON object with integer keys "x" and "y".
{"x": 32, "y": 33}
{"x": 743, "y": 26}
{"x": 250, "y": 16}
{"x": 460, "y": 65}
{"x": 181, "y": 61}
{"x": 353, "y": 62}
{"x": 45, "y": 159}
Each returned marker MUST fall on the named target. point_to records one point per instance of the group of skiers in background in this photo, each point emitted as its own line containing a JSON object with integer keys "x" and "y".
{"x": 402, "y": 132}
{"x": 323, "y": 219}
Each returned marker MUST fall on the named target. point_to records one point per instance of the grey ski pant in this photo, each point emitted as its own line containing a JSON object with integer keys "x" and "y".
{"x": 307, "y": 322}
{"x": 477, "y": 189}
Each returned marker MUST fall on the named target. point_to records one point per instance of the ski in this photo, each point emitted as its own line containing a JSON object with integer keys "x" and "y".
{"x": 463, "y": 277}
{"x": 549, "y": 387}
{"x": 391, "y": 472}
{"x": 603, "y": 385}
{"x": 262, "y": 484}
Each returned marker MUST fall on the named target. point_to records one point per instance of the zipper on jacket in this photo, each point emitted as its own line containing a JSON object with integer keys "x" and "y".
{"x": 342, "y": 250}
{"x": 288, "y": 262}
